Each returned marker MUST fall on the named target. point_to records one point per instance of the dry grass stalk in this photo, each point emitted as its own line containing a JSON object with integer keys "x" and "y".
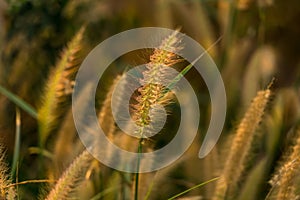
{"x": 241, "y": 144}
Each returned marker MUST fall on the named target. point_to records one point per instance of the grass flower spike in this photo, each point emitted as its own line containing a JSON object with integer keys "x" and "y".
{"x": 241, "y": 145}
{"x": 6, "y": 191}
{"x": 59, "y": 87}
{"x": 67, "y": 183}
{"x": 284, "y": 183}
{"x": 150, "y": 93}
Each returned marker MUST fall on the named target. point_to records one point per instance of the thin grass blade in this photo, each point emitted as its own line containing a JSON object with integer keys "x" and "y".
{"x": 192, "y": 188}
{"x": 19, "y": 102}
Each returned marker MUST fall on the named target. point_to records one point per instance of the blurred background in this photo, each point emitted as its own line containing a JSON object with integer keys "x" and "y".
{"x": 260, "y": 40}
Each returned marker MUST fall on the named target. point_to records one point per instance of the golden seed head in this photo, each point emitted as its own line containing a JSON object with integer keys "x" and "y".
{"x": 152, "y": 90}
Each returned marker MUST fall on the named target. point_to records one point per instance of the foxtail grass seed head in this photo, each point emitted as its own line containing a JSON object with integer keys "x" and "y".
{"x": 59, "y": 86}
{"x": 151, "y": 93}
{"x": 241, "y": 144}
{"x": 283, "y": 182}
{"x": 105, "y": 117}
{"x": 6, "y": 190}
{"x": 67, "y": 183}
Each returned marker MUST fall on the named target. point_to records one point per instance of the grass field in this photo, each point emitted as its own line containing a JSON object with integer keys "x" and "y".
{"x": 255, "y": 45}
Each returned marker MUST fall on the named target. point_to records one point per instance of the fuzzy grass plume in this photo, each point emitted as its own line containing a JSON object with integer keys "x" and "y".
{"x": 66, "y": 185}
{"x": 241, "y": 145}
{"x": 105, "y": 117}
{"x": 151, "y": 93}
{"x": 6, "y": 190}
{"x": 59, "y": 87}
{"x": 284, "y": 183}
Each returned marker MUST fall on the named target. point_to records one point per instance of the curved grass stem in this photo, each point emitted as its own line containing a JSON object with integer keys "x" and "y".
{"x": 139, "y": 151}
